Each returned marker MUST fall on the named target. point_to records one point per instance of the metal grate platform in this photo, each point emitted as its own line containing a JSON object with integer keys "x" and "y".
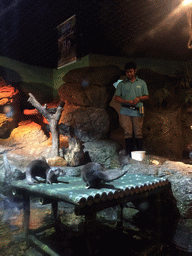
{"x": 73, "y": 190}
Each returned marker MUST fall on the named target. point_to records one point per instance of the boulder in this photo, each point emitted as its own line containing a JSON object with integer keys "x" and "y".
{"x": 100, "y": 76}
{"x": 104, "y": 152}
{"x": 9, "y": 108}
{"x": 9, "y": 96}
{"x": 6, "y": 126}
{"x": 90, "y": 96}
{"x": 90, "y": 86}
{"x": 89, "y": 124}
{"x": 180, "y": 176}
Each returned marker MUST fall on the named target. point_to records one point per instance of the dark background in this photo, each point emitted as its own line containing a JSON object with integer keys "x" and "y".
{"x": 139, "y": 28}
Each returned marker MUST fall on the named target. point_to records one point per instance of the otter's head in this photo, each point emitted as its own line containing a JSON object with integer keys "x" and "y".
{"x": 59, "y": 172}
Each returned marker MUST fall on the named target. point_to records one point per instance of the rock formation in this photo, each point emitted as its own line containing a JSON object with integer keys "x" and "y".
{"x": 88, "y": 123}
{"x": 163, "y": 133}
{"x": 167, "y": 122}
{"x": 9, "y": 108}
{"x": 87, "y": 93}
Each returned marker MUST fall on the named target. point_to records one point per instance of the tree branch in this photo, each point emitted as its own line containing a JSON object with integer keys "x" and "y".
{"x": 53, "y": 120}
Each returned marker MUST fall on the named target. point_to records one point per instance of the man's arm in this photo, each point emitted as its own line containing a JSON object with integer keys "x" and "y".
{"x": 142, "y": 98}
{"x": 118, "y": 99}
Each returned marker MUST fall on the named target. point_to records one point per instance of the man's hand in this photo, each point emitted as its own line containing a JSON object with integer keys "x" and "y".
{"x": 130, "y": 102}
{"x": 136, "y": 100}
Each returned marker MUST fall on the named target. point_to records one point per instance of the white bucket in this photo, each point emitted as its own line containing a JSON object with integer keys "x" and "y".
{"x": 138, "y": 155}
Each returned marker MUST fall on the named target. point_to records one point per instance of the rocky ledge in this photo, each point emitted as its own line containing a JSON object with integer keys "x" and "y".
{"x": 178, "y": 173}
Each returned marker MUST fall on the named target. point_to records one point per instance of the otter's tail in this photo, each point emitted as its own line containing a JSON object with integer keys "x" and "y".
{"x": 111, "y": 175}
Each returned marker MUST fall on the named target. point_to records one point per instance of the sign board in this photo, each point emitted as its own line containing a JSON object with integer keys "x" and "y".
{"x": 67, "y": 42}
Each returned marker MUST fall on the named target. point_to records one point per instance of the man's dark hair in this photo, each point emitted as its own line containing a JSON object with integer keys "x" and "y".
{"x": 130, "y": 65}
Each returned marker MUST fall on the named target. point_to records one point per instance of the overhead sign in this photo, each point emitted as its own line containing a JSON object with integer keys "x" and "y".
{"x": 67, "y": 42}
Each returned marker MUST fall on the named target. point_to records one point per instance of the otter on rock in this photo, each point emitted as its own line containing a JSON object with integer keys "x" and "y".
{"x": 94, "y": 173}
{"x": 40, "y": 168}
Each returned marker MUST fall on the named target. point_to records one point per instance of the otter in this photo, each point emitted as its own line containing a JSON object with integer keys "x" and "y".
{"x": 94, "y": 174}
{"x": 40, "y": 168}
{"x": 123, "y": 158}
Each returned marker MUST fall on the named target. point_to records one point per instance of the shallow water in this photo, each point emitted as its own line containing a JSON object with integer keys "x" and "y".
{"x": 104, "y": 236}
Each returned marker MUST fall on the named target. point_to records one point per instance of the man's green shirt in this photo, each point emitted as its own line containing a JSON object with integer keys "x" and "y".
{"x": 128, "y": 90}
